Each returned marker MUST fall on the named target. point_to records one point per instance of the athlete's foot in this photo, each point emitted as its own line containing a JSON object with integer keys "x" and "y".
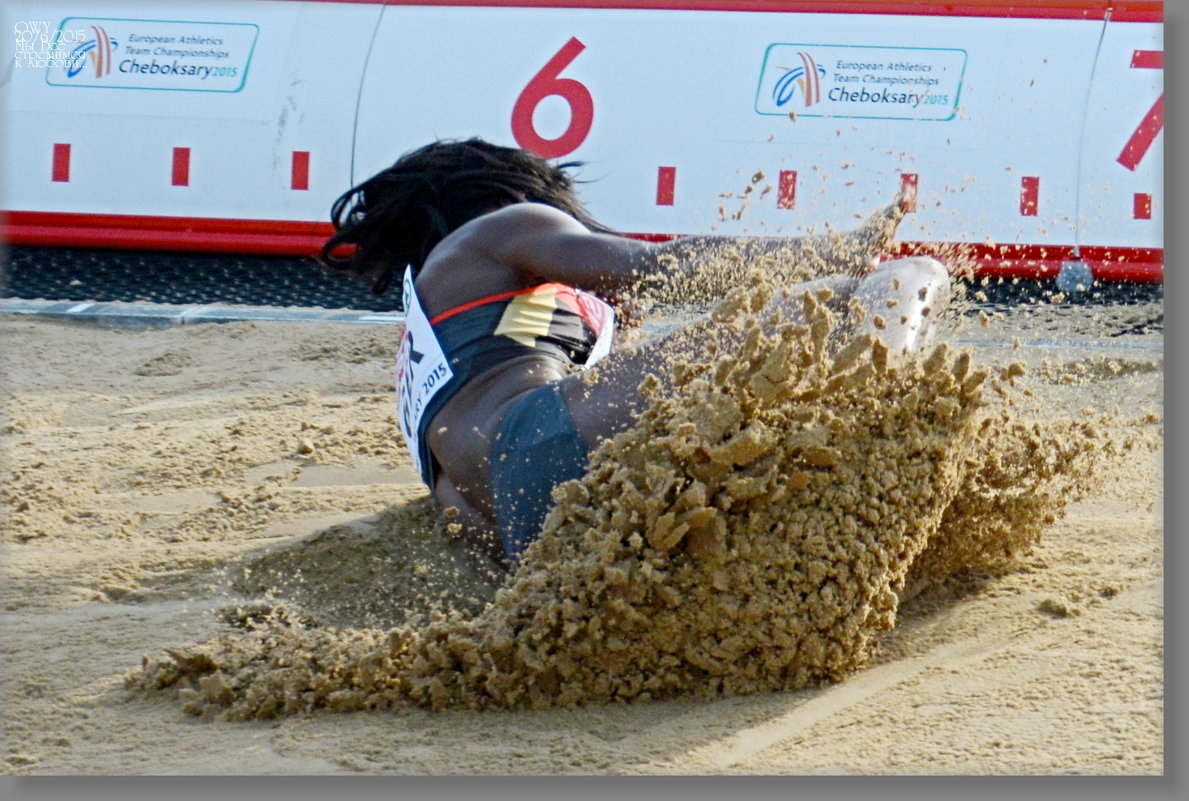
{"x": 902, "y": 301}
{"x": 874, "y": 238}
{"x": 858, "y": 252}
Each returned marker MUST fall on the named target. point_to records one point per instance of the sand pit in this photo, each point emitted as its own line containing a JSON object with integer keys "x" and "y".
{"x": 229, "y": 500}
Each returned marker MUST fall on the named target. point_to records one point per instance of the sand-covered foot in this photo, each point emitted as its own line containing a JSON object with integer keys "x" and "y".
{"x": 858, "y": 251}
{"x": 901, "y": 303}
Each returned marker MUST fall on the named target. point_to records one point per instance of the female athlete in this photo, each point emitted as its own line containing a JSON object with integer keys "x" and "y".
{"x": 510, "y": 291}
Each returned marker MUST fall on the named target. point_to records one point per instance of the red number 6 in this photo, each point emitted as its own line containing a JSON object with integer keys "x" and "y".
{"x": 544, "y": 84}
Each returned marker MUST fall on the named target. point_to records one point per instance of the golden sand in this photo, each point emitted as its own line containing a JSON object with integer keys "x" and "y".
{"x": 177, "y": 489}
{"x": 753, "y": 532}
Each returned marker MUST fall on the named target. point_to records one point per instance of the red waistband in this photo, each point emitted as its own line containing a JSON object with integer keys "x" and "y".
{"x": 490, "y": 299}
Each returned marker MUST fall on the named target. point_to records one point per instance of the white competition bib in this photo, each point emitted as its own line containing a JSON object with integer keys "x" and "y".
{"x": 421, "y": 369}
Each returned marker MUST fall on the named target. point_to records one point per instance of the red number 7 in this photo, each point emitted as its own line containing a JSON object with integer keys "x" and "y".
{"x": 1152, "y": 123}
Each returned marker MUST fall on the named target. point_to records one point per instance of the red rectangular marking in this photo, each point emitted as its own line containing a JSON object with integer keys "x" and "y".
{"x": 181, "y": 166}
{"x": 908, "y": 187}
{"x": 300, "y": 178}
{"x": 1142, "y": 206}
{"x": 1147, "y": 59}
{"x": 666, "y": 184}
{"x": 1029, "y": 195}
{"x": 61, "y": 168}
{"x": 786, "y": 193}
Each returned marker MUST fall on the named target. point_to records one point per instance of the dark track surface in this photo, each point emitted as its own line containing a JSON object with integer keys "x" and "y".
{"x": 67, "y": 274}
{"x": 182, "y": 278}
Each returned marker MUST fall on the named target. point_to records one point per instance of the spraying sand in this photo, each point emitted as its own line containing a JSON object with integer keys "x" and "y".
{"x": 801, "y": 561}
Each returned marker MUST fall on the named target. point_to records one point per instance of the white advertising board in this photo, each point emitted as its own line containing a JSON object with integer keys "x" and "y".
{"x": 1027, "y": 130}
{"x": 239, "y": 86}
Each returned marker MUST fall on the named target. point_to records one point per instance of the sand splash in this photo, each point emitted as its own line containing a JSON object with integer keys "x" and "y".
{"x": 753, "y": 532}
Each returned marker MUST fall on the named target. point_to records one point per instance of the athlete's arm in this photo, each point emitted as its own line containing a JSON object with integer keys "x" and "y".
{"x": 550, "y": 244}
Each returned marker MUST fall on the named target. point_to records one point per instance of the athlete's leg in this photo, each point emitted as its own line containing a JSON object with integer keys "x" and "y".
{"x": 609, "y": 402}
{"x": 900, "y": 301}
{"x": 473, "y": 526}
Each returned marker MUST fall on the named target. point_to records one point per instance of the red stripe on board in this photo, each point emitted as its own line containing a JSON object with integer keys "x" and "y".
{"x": 266, "y": 244}
{"x": 61, "y": 168}
{"x": 300, "y": 177}
{"x": 181, "y": 166}
{"x": 1029, "y": 195}
{"x": 1147, "y": 60}
{"x": 908, "y": 184}
{"x": 786, "y": 193}
{"x": 1041, "y": 262}
{"x": 1142, "y": 206}
{"x": 297, "y": 238}
{"x": 1131, "y": 272}
{"x": 1121, "y": 10}
{"x": 196, "y": 234}
{"x": 161, "y": 223}
{"x": 666, "y": 185}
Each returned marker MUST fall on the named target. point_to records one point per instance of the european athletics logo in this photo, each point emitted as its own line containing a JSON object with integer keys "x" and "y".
{"x": 99, "y": 51}
{"x": 164, "y": 55}
{"x": 807, "y": 78}
{"x": 860, "y": 81}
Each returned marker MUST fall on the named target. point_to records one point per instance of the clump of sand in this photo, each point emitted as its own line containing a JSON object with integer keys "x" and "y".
{"x": 752, "y": 532}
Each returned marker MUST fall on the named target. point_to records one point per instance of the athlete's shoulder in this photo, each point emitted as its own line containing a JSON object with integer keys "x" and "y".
{"x": 530, "y": 217}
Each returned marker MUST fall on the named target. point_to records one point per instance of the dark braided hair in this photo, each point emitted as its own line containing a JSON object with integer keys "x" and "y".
{"x": 398, "y": 216}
